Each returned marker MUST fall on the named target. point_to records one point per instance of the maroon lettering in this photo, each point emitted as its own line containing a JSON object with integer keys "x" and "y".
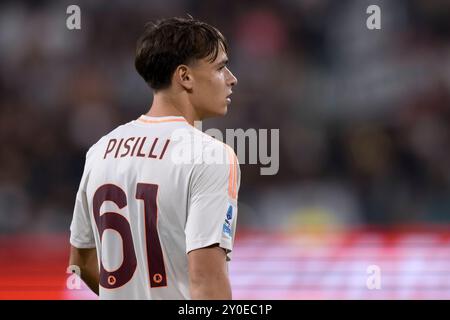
{"x": 139, "y": 153}
{"x": 110, "y": 147}
{"x": 151, "y": 155}
{"x": 127, "y": 146}
{"x": 117, "y": 222}
{"x": 164, "y": 149}
{"x": 155, "y": 259}
{"x": 135, "y": 144}
{"x": 118, "y": 148}
{"x": 122, "y": 148}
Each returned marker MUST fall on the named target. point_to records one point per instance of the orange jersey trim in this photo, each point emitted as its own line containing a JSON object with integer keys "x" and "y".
{"x": 232, "y": 178}
{"x": 159, "y": 121}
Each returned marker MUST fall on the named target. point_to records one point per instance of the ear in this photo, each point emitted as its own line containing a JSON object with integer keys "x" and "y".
{"x": 183, "y": 76}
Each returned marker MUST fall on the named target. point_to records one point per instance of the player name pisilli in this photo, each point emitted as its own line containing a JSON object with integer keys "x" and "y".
{"x": 136, "y": 147}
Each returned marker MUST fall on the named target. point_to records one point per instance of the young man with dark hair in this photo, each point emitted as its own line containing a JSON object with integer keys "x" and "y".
{"x": 145, "y": 225}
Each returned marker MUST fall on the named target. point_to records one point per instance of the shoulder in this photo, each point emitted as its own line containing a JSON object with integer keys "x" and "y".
{"x": 208, "y": 151}
{"x": 217, "y": 163}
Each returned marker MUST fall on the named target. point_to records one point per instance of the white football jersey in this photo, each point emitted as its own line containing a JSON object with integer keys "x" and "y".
{"x": 152, "y": 190}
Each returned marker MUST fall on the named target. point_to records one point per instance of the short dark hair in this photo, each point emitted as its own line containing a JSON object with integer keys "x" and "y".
{"x": 166, "y": 44}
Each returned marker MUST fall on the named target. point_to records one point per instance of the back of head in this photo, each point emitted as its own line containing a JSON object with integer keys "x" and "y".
{"x": 166, "y": 44}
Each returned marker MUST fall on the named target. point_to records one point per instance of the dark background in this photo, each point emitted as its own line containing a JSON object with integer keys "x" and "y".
{"x": 364, "y": 115}
{"x": 364, "y": 120}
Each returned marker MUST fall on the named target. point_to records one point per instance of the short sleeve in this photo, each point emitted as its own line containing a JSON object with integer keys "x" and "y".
{"x": 212, "y": 214}
{"x": 81, "y": 233}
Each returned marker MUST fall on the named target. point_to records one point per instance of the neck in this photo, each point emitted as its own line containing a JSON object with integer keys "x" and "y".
{"x": 164, "y": 105}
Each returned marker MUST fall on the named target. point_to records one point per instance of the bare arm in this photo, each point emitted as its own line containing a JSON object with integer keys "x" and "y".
{"x": 86, "y": 260}
{"x": 208, "y": 274}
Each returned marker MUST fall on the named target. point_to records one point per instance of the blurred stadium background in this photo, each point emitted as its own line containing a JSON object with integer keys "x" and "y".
{"x": 364, "y": 119}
